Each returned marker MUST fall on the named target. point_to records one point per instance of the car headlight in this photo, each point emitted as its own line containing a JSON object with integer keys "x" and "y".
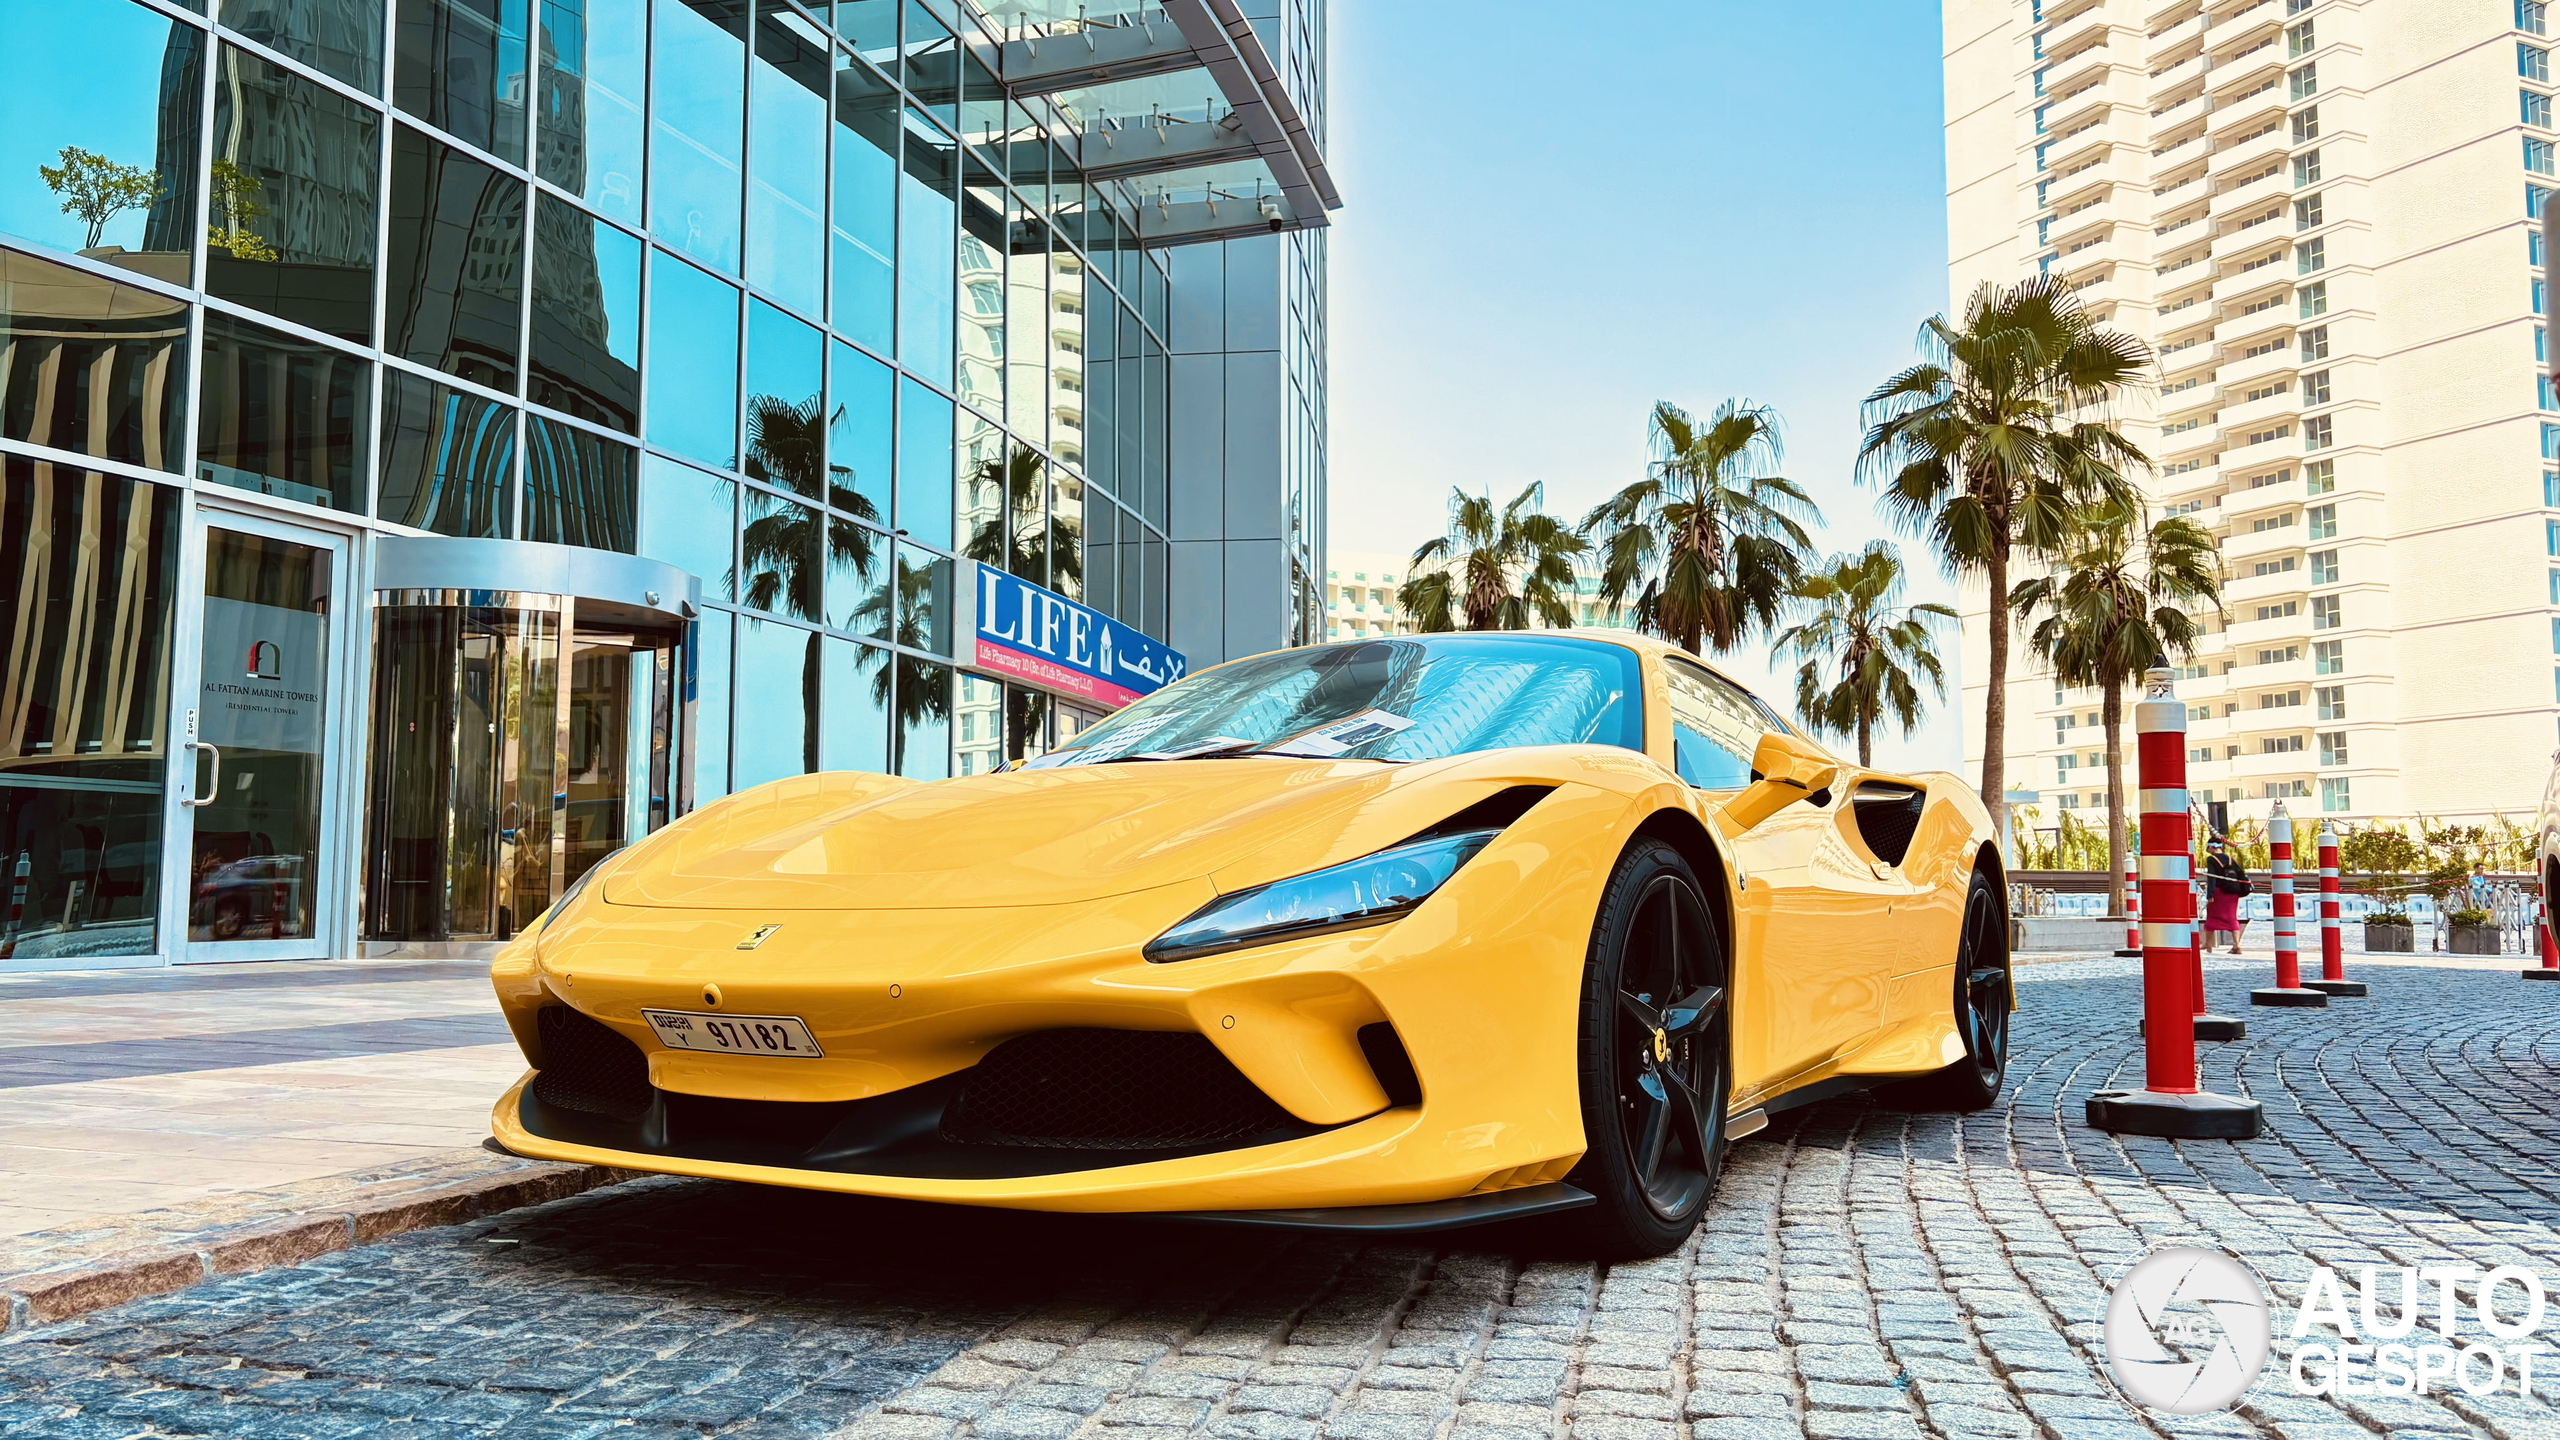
{"x": 1368, "y": 891}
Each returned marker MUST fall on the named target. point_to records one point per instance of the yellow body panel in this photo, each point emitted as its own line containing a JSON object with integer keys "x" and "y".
{"x": 921, "y": 925}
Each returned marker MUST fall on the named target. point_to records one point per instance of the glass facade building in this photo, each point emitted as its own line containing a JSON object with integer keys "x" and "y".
{"x": 442, "y": 440}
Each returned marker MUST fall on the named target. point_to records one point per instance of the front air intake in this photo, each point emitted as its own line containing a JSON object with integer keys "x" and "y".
{"x": 1111, "y": 1090}
{"x": 588, "y": 1067}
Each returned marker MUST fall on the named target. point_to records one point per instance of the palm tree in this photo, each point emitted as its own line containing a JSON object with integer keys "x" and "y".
{"x": 906, "y": 612}
{"x": 1880, "y": 652}
{"x": 2118, "y": 597}
{"x": 786, "y": 445}
{"x": 1051, "y": 554}
{"x": 1494, "y": 569}
{"x": 1987, "y": 447}
{"x": 1707, "y": 541}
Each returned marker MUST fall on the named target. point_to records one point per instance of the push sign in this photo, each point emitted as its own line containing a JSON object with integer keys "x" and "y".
{"x": 1035, "y": 636}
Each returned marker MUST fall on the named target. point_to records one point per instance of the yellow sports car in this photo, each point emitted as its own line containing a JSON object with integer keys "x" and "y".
{"x": 1390, "y": 935}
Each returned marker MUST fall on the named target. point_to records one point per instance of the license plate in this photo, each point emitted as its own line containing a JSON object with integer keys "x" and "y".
{"x": 779, "y": 1035}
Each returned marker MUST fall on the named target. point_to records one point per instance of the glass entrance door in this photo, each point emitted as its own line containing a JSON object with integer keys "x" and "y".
{"x": 255, "y": 795}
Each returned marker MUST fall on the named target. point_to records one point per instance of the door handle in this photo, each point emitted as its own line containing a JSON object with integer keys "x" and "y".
{"x": 213, "y": 782}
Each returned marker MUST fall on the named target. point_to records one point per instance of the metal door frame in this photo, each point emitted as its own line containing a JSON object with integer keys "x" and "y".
{"x": 342, "y": 740}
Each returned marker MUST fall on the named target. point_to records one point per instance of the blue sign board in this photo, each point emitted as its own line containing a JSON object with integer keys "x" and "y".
{"x": 1035, "y": 636}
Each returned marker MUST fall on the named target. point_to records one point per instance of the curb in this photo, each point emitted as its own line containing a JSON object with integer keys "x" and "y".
{"x": 52, "y": 1295}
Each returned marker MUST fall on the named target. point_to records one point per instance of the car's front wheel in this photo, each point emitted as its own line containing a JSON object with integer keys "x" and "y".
{"x": 1656, "y": 1058}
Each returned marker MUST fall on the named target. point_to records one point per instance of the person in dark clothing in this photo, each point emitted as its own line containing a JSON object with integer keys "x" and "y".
{"x": 2225, "y": 882}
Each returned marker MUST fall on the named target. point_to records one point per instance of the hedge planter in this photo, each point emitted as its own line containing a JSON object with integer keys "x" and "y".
{"x": 2387, "y": 939}
{"x": 2475, "y": 940}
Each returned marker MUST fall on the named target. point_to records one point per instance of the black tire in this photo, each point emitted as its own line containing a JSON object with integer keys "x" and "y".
{"x": 1656, "y": 1059}
{"x": 1983, "y": 1004}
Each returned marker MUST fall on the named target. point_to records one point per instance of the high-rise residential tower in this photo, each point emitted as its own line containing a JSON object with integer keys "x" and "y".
{"x": 2324, "y": 217}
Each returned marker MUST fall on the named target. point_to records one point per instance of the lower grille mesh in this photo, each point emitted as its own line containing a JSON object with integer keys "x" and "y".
{"x": 586, "y": 1066}
{"x": 1109, "y": 1090}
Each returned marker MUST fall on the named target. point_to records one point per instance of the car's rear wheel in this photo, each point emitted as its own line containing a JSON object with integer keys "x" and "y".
{"x": 1982, "y": 1007}
{"x": 1656, "y": 1058}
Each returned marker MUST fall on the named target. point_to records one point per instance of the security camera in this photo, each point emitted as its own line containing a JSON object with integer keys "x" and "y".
{"x": 1270, "y": 209}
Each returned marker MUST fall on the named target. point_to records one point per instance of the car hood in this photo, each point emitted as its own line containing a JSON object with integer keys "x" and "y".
{"x": 1032, "y": 837}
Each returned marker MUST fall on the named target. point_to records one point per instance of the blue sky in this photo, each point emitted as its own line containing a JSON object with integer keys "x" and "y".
{"x": 1556, "y": 215}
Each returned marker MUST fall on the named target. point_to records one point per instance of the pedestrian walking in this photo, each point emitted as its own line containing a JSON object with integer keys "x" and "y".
{"x": 2228, "y": 883}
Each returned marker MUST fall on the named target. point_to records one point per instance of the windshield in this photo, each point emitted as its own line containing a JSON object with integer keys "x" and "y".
{"x": 1403, "y": 699}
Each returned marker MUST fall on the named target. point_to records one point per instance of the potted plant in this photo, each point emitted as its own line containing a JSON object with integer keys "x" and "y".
{"x": 2389, "y": 932}
{"x": 2474, "y": 932}
{"x": 2383, "y": 855}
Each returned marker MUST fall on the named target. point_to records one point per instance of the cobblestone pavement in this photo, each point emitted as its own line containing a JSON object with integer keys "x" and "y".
{"x": 1865, "y": 1275}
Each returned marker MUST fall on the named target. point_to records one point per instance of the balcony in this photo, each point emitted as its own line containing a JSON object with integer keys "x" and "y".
{"x": 2250, "y": 151}
{"x": 2243, "y": 231}
{"x": 2240, "y": 452}
{"x": 2246, "y": 273}
{"x": 2246, "y": 334}
{"x": 2245, "y": 503}
{"x": 2247, "y": 197}
{"x": 2246, "y": 417}
{"x": 2285, "y": 675}
{"x": 2244, "y": 372}
{"x": 2076, "y": 29}
{"x": 2177, "y": 445}
{"x": 2245, "y": 546}
{"x": 2281, "y": 764}
{"x": 2174, "y": 74}
{"x": 2248, "y": 635}
{"x": 2178, "y": 267}
{"x": 2176, "y": 151}
{"x": 2180, "y": 356}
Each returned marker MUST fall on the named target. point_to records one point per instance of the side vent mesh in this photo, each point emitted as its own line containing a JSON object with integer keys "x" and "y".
{"x": 1110, "y": 1090}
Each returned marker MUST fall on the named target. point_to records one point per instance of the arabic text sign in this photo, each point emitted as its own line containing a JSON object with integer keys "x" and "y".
{"x": 1034, "y": 635}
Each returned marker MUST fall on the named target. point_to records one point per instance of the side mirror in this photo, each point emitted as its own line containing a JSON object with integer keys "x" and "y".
{"x": 1790, "y": 769}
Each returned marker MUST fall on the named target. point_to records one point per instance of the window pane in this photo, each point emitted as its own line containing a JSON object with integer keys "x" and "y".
{"x": 88, "y": 365}
{"x": 339, "y": 38}
{"x": 1101, "y": 572}
{"x": 699, "y": 83}
{"x": 854, "y": 708}
{"x": 454, "y": 277}
{"x": 779, "y": 671}
{"x": 448, "y": 458}
{"x": 858, "y": 597}
{"x": 978, "y": 728}
{"x": 924, "y": 719}
{"x": 99, "y": 110}
{"x": 1065, "y": 548}
{"x": 93, "y": 564}
{"x": 693, "y": 402}
{"x": 295, "y": 170}
{"x": 688, "y": 519}
{"x": 787, "y": 171}
{"x": 982, "y": 493}
{"x": 865, "y": 206}
{"x": 579, "y": 488}
{"x": 281, "y": 416}
{"x": 713, "y": 635}
{"x": 779, "y": 550}
{"x": 932, "y": 61}
{"x": 872, "y": 26}
{"x": 981, "y": 292}
{"x": 1028, "y": 502}
{"x": 786, "y": 429}
{"x": 924, "y": 600}
{"x": 924, "y": 465}
{"x": 586, "y": 316}
{"x": 927, "y": 207}
{"x": 858, "y": 431}
{"x": 1026, "y": 346}
{"x": 461, "y": 68}
{"x": 594, "y": 69}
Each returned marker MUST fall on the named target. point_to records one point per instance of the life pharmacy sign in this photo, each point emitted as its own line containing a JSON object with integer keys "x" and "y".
{"x": 2413, "y": 1330}
{"x": 1032, "y": 635}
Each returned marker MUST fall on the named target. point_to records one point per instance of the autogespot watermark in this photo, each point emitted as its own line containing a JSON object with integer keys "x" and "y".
{"x": 2189, "y": 1330}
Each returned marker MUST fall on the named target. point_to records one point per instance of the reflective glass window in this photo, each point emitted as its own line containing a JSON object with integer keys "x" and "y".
{"x": 780, "y": 670}
{"x": 281, "y": 416}
{"x": 448, "y": 458}
{"x": 594, "y": 71}
{"x": 1064, "y": 553}
{"x": 1026, "y": 345}
{"x": 460, "y": 66}
{"x": 99, "y": 113}
{"x": 782, "y": 559}
{"x": 339, "y": 38}
{"x": 714, "y": 635}
{"x": 92, "y": 561}
{"x": 932, "y": 64}
{"x": 453, "y": 293}
{"x": 981, "y": 294}
{"x": 853, "y": 708}
{"x": 858, "y": 595}
{"x": 978, "y": 727}
{"x": 688, "y": 518}
{"x": 1154, "y": 555}
{"x": 88, "y": 365}
{"x": 982, "y": 106}
{"x": 1150, "y": 424}
{"x": 924, "y": 464}
{"x": 693, "y": 386}
{"x": 579, "y": 487}
{"x": 924, "y": 600}
{"x": 586, "y": 316}
{"x": 787, "y": 160}
{"x": 858, "y": 434}
{"x": 786, "y": 424}
{"x": 872, "y": 26}
{"x": 1101, "y": 572}
{"x": 698, "y": 81}
{"x": 296, "y": 168}
{"x": 981, "y": 494}
{"x": 927, "y": 207}
{"x": 924, "y": 719}
{"x": 863, "y": 212}
{"x": 1097, "y": 366}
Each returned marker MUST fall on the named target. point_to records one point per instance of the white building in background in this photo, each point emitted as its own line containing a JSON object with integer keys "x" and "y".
{"x": 1360, "y": 597}
{"x": 2323, "y": 215}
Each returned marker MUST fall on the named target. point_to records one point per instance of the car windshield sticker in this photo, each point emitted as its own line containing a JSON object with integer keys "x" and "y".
{"x": 1341, "y": 736}
{"x": 1210, "y": 746}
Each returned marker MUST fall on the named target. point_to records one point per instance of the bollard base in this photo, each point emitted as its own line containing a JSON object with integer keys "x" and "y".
{"x": 2221, "y": 1027}
{"x": 2175, "y": 1117}
{"x": 2540, "y": 974}
{"x": 2296, "y": 998}
{"x": 2348, "y": 988}
{"x": 2128, "y": 954}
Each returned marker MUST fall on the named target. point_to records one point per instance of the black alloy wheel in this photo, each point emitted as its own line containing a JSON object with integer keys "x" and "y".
{"x": 1656, "y": 1057}
{"x": 1983, "y": 1002}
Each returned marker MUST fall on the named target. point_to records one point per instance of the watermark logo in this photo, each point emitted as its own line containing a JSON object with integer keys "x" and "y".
{"x": 2379, "y": 1343}
{"x": 2187, "y": 1331}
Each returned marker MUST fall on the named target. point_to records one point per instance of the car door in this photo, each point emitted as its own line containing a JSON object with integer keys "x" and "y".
{"x": 1814, "y": 945}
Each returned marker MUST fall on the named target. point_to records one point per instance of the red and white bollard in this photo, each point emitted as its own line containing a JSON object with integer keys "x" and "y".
{"x": 2333, "y": 948}
{"x": 2550, "y": 968}
{"x": 2170, "y": 1103}
{"x": 2132, "y": 908}
{"x": 2288, "y": 989}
